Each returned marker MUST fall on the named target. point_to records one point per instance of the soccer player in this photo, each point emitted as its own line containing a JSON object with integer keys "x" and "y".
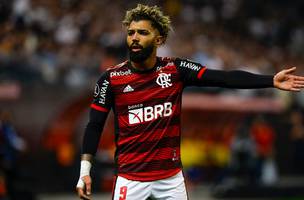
{"x": 145, "y": 95}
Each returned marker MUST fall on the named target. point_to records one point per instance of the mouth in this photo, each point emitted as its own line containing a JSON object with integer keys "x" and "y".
{"x": 136, "y": 48}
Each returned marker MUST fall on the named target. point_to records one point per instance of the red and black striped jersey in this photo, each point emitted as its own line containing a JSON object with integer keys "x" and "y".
{"x": 147, "y": 108}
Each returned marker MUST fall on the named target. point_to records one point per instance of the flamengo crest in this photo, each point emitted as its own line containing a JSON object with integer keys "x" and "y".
{"x": 164, "y": 80}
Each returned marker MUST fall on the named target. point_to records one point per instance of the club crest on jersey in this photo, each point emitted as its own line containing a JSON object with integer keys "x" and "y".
{"x": 164, "y": 80}
{"x": 150, "y": 113}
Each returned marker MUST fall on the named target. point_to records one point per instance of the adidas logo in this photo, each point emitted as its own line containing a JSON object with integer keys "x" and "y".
{"x": 128, "y": 88}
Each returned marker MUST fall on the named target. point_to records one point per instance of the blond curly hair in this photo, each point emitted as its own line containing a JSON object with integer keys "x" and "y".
{"x": 153, "y": 13}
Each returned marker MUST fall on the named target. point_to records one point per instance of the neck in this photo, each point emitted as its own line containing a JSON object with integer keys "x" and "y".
{"x": 149, "y": 63}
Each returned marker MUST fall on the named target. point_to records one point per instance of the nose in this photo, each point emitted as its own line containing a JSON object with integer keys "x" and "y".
{"x": 135, "y": 37}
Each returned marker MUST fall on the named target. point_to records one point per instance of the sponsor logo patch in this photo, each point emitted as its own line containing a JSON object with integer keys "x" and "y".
{"x": 150, "y": 113}
{"x": 128, "y": 88}
{"x": 96, "y": 90}
{"x": 190, "y": 65}
{"x": 103, "y": 90}
{"x": 120, "y": 73}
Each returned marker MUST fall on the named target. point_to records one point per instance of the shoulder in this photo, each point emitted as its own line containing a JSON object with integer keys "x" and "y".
{"x": 180, "y": 62}
{"x": 166, "y": 59}
{"x": 118, "y": 66}
{"x": 183, "y": 62}
{"x": 117, "y": 70}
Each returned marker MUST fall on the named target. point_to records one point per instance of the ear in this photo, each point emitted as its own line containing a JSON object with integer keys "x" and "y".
{"x": 159, "y": 40}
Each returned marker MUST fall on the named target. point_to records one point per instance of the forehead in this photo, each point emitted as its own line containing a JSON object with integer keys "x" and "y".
{"x": 141, "y": 25}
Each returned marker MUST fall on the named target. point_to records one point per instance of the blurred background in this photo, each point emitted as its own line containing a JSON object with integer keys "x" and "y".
{"x": 236, "y": 143}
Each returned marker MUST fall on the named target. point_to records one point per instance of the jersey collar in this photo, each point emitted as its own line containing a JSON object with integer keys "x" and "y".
{"x": 134, "y": 70}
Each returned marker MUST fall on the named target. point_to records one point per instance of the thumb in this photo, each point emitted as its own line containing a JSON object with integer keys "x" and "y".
{"x": 290, "y": 70}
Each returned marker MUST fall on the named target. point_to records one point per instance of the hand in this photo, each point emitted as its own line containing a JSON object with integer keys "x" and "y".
{"x": 84, "y": 187}
{"x": 284, "y": 80}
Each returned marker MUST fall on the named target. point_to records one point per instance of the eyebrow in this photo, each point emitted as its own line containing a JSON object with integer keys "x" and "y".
{"x": 138, "y": 30}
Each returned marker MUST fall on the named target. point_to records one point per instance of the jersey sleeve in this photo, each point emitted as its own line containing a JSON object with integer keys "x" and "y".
{"x": 103, "y": 97}
{"x": 194, "y": 74}
{"x": 93, "y": 131}
{"x": 100, "y": 107}
{"x": 190, "y": 72}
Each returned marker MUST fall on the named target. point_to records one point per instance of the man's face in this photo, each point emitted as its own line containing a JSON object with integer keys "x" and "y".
{"x": 142, "y": 40}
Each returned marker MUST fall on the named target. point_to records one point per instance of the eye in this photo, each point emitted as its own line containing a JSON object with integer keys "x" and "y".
{"x": 131, "y": 32}
{"x": 143, "y": 32}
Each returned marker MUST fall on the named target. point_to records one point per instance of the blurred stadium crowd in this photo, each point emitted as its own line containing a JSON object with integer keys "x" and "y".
{"x": 68, "y": 41}
{"x": 64, "y": 45}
